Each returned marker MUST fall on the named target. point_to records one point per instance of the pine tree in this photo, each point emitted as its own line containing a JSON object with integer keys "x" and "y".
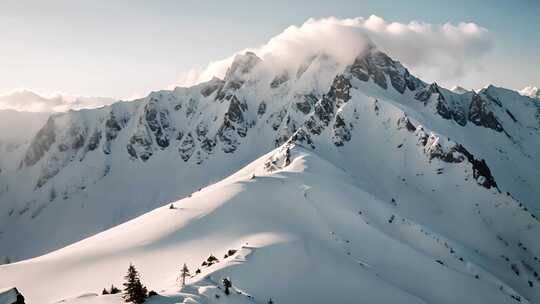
{"x": 134, "y": 291}
{"x": 114, "y": 289}
{"x": 184, "y": 273}
{"x": 227, "y": 284}
{"x": 171, "y": 206}
{"x": 270, "y": 301}
{"x": 104, "y": 292}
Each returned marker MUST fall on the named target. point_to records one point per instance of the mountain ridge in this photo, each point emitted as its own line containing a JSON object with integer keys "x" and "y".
{"x": 248, "y": 113}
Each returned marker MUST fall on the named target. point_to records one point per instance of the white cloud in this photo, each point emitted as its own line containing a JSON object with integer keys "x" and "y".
{"x": 28, "y": 101}
{"x": 434, "y": 52}
{"x": 530, "y": 91}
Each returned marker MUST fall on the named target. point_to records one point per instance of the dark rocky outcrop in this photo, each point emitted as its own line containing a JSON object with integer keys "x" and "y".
{"x": 41, "y": 143}
{"x": 376, "y": 65}
{"x": 262, "y": 108}
{"x": 11, "y": 296}
{"x": 325, "y": 108}
{"x": 342, "y": 132}
{"x": 481, "y": 115}
{"x": 187, "y": 147}
{"x": 234, "y": 125}
{"x": 404, "y": 123}
{"x": 157, "y": 120}
{"x": 305, "y": 103}
{"x": 112, "y": 128}
{"x": 456, "y": 153}
{"x": 212, "y": 86}
{"x": 279, "y": 80}
{"x": 443, "y": 106}
{"x": 94, "y": 140}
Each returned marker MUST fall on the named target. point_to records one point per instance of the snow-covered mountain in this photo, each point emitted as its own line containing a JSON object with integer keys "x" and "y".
{"x": 369, "y": 181}
{"x": 28, "y": 101}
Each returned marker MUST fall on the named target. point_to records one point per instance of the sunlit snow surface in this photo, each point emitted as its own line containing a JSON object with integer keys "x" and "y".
{"x": 308, "y": 233}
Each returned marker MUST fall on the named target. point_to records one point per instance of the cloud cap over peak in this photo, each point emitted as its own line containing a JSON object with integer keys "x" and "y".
{"x": 432, "y": 51}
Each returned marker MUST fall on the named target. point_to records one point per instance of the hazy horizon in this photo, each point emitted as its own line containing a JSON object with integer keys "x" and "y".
{"x": 126, "y": 49}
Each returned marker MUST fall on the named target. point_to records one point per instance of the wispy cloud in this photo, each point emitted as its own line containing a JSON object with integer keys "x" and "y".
{"x": 28, "y": 101}
{"x": 433, "y": 51}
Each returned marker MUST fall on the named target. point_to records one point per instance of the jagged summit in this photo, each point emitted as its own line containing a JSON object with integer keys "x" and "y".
{"x": 242, "y": 64}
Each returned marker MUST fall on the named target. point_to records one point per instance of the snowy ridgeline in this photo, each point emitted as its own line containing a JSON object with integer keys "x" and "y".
{"x": 373, "y": 187}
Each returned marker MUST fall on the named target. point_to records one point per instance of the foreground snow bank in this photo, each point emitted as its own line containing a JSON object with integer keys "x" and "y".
{"x": 304, "y": 231}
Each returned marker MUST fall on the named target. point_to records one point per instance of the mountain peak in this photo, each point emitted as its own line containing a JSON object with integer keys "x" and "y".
{"x": 242, "y": 64}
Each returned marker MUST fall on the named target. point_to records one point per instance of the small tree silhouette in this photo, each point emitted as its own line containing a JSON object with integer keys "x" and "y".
{"x": 134, "y": 290}
{"x": 227, "y": 284}
{"x": 184, "y": 273}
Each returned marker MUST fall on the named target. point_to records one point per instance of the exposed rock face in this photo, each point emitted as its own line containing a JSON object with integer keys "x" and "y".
{"x": 214, "y": 85}
{"x": 342, "y": 132}
{"x": 187, "y": 147}
{"x": 377, "y": 66}
{"x": 262, "y": 108}
{"x": 404, "y": 123}
{"x": 140, "y": 143}
{"x": 481, "y": 115}
{"x": 158, "y": 122}
{"x": 481, "y": 171}
{"x": 11, "y": 296}
{"x": 305, "y": 103}
{"x": 279, "y": 160}
{"x": 279, "y": 80}
{"x": 94, "y": 140}
{"x": 234, "y": 125}
{"x": 41, "y": 143}
{"x": 444, "y": 108}
{"x": 112, "y": 128}
{"x": 452, "y": 152}
{"x": 154, "y": 126}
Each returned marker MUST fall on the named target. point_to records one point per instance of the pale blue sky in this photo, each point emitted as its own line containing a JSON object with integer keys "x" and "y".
{"x": 125, "y": 48}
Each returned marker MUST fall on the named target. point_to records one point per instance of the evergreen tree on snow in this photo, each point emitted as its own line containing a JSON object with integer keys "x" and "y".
{"x": 227, "y": 284}
{"x": 114, "y": 289}
{"x": 184, "y": 273}
{"x": 134, "y": 291}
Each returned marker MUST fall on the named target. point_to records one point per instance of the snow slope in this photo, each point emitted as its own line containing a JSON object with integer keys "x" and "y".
{"x": 306, "y": 231}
